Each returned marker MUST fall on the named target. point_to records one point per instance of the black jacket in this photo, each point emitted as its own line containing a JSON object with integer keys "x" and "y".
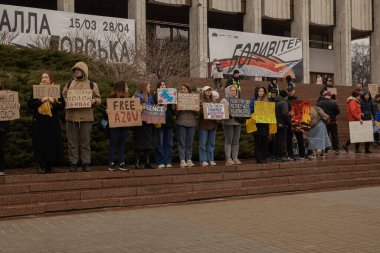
{"x": 368, "y": 109}
{"x": 282, "y": 112}
{"x": 330, "y": 107}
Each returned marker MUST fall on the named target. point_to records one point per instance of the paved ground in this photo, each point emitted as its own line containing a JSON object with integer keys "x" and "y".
{"x": 339, "y": 221}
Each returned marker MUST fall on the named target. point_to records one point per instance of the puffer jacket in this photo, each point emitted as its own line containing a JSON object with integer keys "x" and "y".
{"x": 82, "y": 114}
{"x": 354, "y": 111}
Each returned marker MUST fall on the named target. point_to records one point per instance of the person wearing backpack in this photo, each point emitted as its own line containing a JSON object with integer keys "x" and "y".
{"x": 79, "y": 120}
{"x": 217, "y": 73}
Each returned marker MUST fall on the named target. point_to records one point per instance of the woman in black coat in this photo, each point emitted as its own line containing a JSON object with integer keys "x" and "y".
{"x": 4, "y": 129}
{"x": 47, "y": 139}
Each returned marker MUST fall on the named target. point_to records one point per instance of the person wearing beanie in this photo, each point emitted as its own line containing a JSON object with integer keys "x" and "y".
{"x": 289, "y": 83}
{"x": 331, "y": 108}
{"x": 354, "y": 114}
{"x": 234, "y": 80}
{"x": 283, "y": 121}
{"x": 298, "y": 134}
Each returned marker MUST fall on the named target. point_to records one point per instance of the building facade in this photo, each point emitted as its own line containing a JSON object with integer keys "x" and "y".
{"x": 326, "y": 27}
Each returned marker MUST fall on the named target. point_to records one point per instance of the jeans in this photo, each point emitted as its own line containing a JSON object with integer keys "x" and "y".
{"x": 165, "y": 145}
{"x": 206, "y": 145}
{"x": 185, "y": 137}
{"x": 118, "y": 138}
{"x": 231, "y": 140}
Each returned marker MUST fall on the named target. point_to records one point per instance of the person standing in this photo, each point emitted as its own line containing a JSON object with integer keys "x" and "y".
{"x": 207, "y": 132}
{"x": 234, "y": 80}
{"x": 79, "y": 120}
{"x": 4, "y": 129}
{"x": 118, "y": 135}
{"x": 289, "y": 83}
{"x": 298, "y": 134}
{"x": 145, "y": 136}
{"x": 331, "y": 108}
{"x": 273, "y": 87}
{"x": 261, "y": 136}
{"x": 186, "y": 123}
{"x": 232, "y": 128}
{"x": 354, "y": 114}
{"x": 368, "y": 110}
{"x": 283, "y": 121}
{"x": 217, "y": 73}
{"x": 46, "y": 129}
{"x": 165, "y": 134}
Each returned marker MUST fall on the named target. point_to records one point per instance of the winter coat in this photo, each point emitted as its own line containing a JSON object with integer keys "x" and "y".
{"x": 233, "y": 81}
{"x": 330, "y": 107}
{"x": 354, "y": 112}
{"x": 231, "y": 120}
{"x": 282, "y": 112}
{"x": 272, "y": 86}
{"x": 46, "y": 132}
{"x": 4, "y": 126}
{"x": 214, "y": 71}
{"x": 368, "y": 109}
{"x": 81, "y": 114}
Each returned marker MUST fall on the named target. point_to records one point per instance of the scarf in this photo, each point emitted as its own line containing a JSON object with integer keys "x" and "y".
{"x": 45, "y": 109}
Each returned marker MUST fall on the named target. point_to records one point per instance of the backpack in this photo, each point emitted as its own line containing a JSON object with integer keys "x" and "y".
{"x": 91, "y": 84}
{"x": 219, "y": 67}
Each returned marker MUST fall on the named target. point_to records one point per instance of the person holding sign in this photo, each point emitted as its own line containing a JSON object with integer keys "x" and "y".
{"x": 118, "y": 135}
{"x": 47, "y": 139}
{"x": 232, "y": 128}
{"x": 261, "y": 136}
{"x": 186, "y": 124}
{"x": 165, "y": 134}
{"x": 79, "y": 119}
{"x": 4, "y": 129}
{"x": 354, "y": 114}
{"x": 145, "y": 136}
{"x": 368, "y": 110}
{"x": 207, "y": 131}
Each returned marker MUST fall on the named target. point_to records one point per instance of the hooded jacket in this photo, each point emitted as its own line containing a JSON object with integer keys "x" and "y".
{"x": 81, "y": 114}
{"x": 225, "y": 100}
{"x": 330, "y": 107}
{"x": 354, "y": 112}
{"x": 367, "y": 107}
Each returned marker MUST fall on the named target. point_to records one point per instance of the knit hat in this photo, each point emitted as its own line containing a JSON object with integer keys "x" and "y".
{"x": 236, "y": 71}
{"x": 274, "y": 90}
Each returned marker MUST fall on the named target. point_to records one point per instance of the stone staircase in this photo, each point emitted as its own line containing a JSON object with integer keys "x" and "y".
{"x": 27, "y": 193}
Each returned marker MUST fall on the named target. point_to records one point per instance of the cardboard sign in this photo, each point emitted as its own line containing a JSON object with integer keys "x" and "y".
{"x": 240, "y": 108}
{"x": 40, "y": 91}
{"x": 373, "y": 90}
{"x": 301, "y": 119}
{"x": 215, "y": 111}
{"x": 166, "y": 96}
{"x": 361, "y": 132}
{"x": 78, "y": 99}
{"x": 333, "y": 91}
{"x": 188, "y": 102}
{"x": 265, "y": 112}
{"x": 9, "y": 105}
{"x": 153, "y": 114}
{"x": 124, "y": 112}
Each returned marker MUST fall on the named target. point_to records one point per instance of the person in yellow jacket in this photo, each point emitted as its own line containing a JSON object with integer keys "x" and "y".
{"x": 79, "y": 120}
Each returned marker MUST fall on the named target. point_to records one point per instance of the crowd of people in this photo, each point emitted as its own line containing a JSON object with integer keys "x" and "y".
{"x": 156, "y": 140}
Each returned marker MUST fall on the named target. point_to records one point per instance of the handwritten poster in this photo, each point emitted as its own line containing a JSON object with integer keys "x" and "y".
{"x": 215, "y": 111}
{"x": 78, "y": 99}
{"x": 9, "y": 105}
{"x": 188, "y": 102}
{"x": 166, "y": 96}
{"x": 51, "y": 90}
{"x": 265, "y": 112}
{"x": 124, "y": 112}
{"x": 373, "y": 90}
{"x": 153, "y": 114}
{"x": 240, "y": 108}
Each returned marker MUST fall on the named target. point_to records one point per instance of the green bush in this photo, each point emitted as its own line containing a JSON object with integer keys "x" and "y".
{"x": 22, "y": 68}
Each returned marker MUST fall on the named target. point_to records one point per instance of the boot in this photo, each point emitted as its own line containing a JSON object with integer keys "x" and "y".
{"x": 147, "y": 164}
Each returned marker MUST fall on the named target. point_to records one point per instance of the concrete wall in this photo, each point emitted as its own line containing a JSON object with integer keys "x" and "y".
{"x": 276, "y": 9}
{"x": 321, "y": 12}
{"x": 361, "y": 14}
{"x": 231, "y": 6}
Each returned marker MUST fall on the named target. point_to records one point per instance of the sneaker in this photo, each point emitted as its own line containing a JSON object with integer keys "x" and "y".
{"x": 112, "y": 167}
{"x": 237, "y": 161}
{"x": 86, "y": 167}
{"x": 358, "y": 151}
{"x": 204, "y": 164}
{"x": 190, "y": 163}
{"x": 301, "y": 158}
{"x": 2, "y": 173}
{"x": 337, "y": 152}
{"x": 345, "y": 148}
{"x": 123, "y": 167}
{"x": 229, "y": 161}
{"x": 168, "y": 165}
{"x": 212, "y": 163}
{"x": 160, "y": 166}
{"x": 183, "y": 164}
{"x": 73, "y": 168}
{"x": 41, "y": 170}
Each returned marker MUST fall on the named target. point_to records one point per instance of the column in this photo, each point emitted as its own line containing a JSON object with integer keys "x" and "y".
{"x": 137, "y": 11}
{"x": 375, "y": 45}
{"x": 198, "y": 38}
{"x": 342, "y": 43}
{"x": 66, "y": 5}
{"x": 300, "y": 29}
{"x": 252, "y": 16}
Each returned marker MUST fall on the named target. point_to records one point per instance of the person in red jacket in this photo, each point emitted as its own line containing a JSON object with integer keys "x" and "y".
{"x": 354, "y": 114}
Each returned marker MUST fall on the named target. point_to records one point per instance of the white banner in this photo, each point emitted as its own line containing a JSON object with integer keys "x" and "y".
{"x": 111, "y": 39}
{"x": 361, "y": 132}
{"x": 256, "y": 54}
